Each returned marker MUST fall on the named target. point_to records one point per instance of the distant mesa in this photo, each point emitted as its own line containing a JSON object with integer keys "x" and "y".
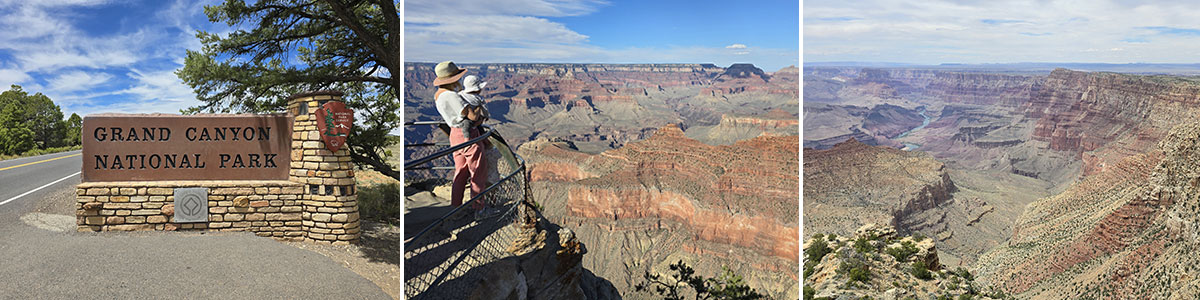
{"x": 741, "y": 71}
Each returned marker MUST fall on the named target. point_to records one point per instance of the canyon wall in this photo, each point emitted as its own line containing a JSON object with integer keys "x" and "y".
{"x": 1127, "y": 230}
{"x": 670, "y": 198}
{"x": 603, "y": 106}
{"x": 853, "y": 184}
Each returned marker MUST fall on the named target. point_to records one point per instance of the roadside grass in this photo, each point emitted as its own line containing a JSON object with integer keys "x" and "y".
{"x": 379, "y": 197}
{"x": 36, "y": 152}
{"x": 381, "y": 202}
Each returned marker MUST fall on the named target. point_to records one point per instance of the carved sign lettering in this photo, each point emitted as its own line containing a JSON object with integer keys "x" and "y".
{"x": 146, "y": 147}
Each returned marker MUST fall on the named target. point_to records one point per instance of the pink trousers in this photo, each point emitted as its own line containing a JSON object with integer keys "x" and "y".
{"x": 469, "y": 165}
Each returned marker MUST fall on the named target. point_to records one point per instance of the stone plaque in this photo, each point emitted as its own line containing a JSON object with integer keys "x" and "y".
{"x": 151, "y": 147}
{"x": 191, "y": 205}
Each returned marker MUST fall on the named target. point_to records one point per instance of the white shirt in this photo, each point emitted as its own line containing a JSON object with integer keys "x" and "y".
{"x": 450, "y": 106}
{"x": 471, "y": 99}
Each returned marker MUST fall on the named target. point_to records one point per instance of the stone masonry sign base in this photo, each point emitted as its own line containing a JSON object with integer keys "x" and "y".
{"x": 318, "y": 201}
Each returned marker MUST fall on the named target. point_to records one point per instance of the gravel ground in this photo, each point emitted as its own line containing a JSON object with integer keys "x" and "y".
{"x": 376, "y": 257}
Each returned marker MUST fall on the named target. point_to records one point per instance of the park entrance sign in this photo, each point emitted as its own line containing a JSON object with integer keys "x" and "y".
{"x": 141, "y": 147}
{"x": 273, "y": 174}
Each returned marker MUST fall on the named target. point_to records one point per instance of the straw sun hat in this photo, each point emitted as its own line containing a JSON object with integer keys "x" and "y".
{"x": 447, "y": 72}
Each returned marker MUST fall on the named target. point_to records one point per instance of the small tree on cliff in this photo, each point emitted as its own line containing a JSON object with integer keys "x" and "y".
{"x": 726, "y": 286}
{"x": 281, "y": 47}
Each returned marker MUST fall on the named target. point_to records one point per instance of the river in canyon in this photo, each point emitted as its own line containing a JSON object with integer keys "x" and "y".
{"x": 912, "y": 146}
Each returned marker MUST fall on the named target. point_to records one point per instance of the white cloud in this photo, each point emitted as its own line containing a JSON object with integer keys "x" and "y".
{"x": 1001, "y": 31}
{"x": 161, "y": 84}
{"x": 516, "y": 31}
{"x": 77, "y": 81}
{"x": 125, "y": 69}
{"x": 496, "y": 29}
{"x": 457, "y": 10}
{"x": 9, "y": 77}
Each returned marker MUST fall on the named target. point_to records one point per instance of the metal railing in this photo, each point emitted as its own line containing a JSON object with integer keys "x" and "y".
{"x": 445, "y": 259}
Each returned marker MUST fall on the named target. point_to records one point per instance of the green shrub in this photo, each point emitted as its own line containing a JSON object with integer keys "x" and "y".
{"x": 961, "y": 272}
{"x": 863, "y": 245}
{"x": 902, "y": 253}
{"x": 965, "y": 297}
{"x": 918, "y": 237}
{"x": 809, "y": 292}
{"x": 725, "y": 286}
{"x": 856, "y": 270}
{"x": 380, "y": 202}
{"x": 817, "y": 250}
{"x": 921, "y": 271}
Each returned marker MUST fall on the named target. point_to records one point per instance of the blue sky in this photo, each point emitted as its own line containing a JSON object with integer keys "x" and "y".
{"x": 95, "y": 56}
{"x": 765, "y": 33}
{"x": 955, "y": 31}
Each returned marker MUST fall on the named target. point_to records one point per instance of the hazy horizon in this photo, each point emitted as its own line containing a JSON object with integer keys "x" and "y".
{"x": 936, "y": 32}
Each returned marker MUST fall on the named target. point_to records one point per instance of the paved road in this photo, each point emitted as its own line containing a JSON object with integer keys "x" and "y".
{"x": 19, "y": 176}
{"x": 40, "y": 263}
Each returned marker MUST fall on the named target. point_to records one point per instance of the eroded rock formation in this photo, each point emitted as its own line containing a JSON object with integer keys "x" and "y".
{"x": 1128, "y": 230}
{"x": 853, "y": 184}
{"x": 669, "y": 198}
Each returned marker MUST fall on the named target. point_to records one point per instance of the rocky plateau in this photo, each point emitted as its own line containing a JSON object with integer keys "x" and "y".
{"x": 1086, "y": 163}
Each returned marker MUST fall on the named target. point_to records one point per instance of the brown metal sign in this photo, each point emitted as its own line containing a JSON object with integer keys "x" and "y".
{"x": 148, "y": 147}
{"x": 334, "y": 121}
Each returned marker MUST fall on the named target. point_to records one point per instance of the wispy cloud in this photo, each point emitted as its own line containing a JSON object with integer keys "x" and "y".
{"x": 77, "y": 81}
{"x": 1173, "y": 30}
{"x": 523, "y": 31}
{"x": 835, "y": 19}
{"x": 45, "y": 49}
{"x": 1002, "y": 31}
{"x": 1002, "y": 22}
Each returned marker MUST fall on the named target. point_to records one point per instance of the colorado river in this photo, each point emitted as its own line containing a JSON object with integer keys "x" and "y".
{"x": 911, "y": 146}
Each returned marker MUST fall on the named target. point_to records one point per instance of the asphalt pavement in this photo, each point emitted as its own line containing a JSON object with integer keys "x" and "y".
{"x": 39, "y": 263}
{"x": 22, "y": 175}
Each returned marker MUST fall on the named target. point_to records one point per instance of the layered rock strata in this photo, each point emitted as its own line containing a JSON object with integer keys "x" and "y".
{"x": 853, "y": 184}
{"x": 1128, "y": 230}
{"x": 671, "y": 198}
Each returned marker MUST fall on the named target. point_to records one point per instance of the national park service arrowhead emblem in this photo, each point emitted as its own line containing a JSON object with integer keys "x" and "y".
{"x": 334, "y": 121}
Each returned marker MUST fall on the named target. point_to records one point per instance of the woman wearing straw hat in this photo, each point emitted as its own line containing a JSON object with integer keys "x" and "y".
{"x": 469, "y": 162}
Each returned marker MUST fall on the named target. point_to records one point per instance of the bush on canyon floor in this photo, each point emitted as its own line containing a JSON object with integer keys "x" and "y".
{"x": 902, "y": 253}
{"x": 725, "y": 286}
{"x": 921, "y": 271}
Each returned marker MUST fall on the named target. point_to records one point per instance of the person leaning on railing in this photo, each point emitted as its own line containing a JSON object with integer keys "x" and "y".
{"x": 469, "y": 162}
